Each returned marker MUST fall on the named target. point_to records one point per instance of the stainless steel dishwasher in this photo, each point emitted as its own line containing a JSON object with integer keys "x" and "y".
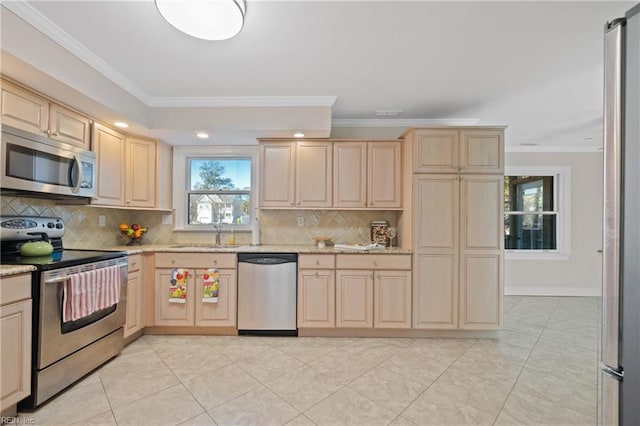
{"x": 267, "y": 290}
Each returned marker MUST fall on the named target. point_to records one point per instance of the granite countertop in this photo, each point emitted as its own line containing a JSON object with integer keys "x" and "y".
{"x": 209, "y": 248}
{"x": 6, "y": 270}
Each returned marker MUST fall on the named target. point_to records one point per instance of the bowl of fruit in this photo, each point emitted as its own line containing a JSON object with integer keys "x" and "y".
{"x": 133, "y": 232}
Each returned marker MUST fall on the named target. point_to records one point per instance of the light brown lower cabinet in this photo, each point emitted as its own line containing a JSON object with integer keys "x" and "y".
{"x": 135, "y": 296}
{"x": 377, "y": 295}
{"x": 354, "y": 298}
{"x": 15, "y": 350}
{"x": 316, "y": 291}
{"x": 392, "y": 299}
{"x": 194, "y": 311}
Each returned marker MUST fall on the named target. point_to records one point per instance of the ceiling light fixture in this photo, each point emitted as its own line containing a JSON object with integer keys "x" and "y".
{"x": 202, "y": 135}
{"x": 204, "y": 19}
{"x": 121, "y": 124}
{"x": 298, "y": 135}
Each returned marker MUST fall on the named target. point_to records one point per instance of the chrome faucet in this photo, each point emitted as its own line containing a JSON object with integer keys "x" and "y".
{"x": 218, "y": 229}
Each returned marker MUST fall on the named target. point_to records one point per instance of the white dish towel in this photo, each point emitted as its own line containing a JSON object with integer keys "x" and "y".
{"x": 87, "y": 292}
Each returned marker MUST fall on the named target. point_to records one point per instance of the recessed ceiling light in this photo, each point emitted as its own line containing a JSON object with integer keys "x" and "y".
{"x": 121, "y": 124}
{"x": 202, "y": 135}
{"x": 529, "y": 144}
{"x": 298, "y": 135}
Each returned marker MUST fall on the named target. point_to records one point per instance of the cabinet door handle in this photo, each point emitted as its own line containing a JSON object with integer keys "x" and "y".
{"x": 375, "y": 263}
{"x": 215, "y": 261}
{"x": 173, "y": 261}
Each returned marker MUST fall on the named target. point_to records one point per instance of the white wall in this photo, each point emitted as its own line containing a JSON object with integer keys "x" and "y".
{"x": 581, "y": 274}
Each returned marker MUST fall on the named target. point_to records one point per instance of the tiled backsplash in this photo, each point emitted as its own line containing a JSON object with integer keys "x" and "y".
{"x": 276, "y": 226}
{"x": 281, "y": 226}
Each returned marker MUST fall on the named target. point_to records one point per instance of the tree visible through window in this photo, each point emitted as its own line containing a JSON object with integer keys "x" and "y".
{"x": 531, "y": 216}
{"x": 219, "y": 191}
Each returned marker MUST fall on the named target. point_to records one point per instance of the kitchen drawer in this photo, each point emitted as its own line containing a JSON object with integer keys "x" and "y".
{"x": 373, "y": 261}
{"x": 14, "y": 288}
{"x": 316, "y": 261}
{"x": 135, "y": 262}
{"x": 196, "y": 260}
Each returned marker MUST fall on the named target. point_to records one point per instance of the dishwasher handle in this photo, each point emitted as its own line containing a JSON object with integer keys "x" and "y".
{"x": 267, "y": 258}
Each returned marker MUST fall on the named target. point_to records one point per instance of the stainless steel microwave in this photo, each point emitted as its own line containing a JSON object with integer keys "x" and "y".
{"x": 37, "y": 164}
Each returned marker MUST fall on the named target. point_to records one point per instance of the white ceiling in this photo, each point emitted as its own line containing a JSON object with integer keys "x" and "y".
{"x": 313, "y": 65}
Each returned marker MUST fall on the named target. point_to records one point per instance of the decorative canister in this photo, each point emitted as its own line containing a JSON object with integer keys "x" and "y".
{"x": 379, "y": 232}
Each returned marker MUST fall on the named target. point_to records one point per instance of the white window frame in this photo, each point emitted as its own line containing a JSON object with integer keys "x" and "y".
{"x": 562, "y": 194}
{"x": 181, "y": 156}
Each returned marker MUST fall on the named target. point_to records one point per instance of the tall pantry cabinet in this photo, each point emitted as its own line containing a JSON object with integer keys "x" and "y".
{"x": 455, "y": 221}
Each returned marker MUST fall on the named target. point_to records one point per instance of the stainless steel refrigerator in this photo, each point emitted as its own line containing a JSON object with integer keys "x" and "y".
{"x": 620, "y": 357}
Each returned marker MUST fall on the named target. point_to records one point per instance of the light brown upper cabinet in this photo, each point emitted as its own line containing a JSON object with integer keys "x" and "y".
{"x": 384, "y": 176}
{"x": 446, "y": 150}
{"x": 330, "y": 174}
{"x": 295, "y": 174}
{"x": 277, "y": 174}
{"x": 350, "y": 174}
{"x": 367, "y": 175}
{"x": 140, "y": 183}
{"x": 126, "y": 169}
{"x": 314, "y": 166}
{"x": 35, "y": 114}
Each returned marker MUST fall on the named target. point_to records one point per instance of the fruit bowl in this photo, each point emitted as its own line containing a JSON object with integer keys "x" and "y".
{"x": 133, "y": 232}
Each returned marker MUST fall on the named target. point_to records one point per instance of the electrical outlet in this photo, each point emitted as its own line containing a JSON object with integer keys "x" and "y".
{"x": 300, "y": 221}
{"x": 102, "y": 220}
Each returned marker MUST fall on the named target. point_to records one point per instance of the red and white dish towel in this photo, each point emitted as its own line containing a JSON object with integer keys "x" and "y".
{"x": 87, "y": 292}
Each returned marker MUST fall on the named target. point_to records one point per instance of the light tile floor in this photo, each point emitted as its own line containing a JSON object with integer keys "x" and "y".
{"x": 542, "y": 370}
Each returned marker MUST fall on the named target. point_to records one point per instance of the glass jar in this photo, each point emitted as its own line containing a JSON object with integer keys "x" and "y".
{"x": 379, "y": 232}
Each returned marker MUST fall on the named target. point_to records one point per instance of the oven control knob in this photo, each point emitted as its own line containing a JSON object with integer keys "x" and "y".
{"x": 50, "y": 225}
{"x": 59, "y": 226}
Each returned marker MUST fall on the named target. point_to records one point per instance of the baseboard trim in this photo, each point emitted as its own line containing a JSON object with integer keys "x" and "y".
{"x": 369, "y": 332}
{"x": 209, "y": 331}
{"x": 551, "y": 291}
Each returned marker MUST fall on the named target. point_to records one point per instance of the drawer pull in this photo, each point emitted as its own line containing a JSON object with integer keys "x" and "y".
{"x": 173, "y": 261}
{"x": 316, "y": 274}
{"x": 317, "y": 262}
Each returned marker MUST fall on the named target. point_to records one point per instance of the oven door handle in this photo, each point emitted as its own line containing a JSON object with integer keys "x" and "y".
{"x": 58, "y": 279}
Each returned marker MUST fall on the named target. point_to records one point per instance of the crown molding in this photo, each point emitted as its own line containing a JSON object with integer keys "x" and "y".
{"x": 47, "y": 27}
{"x": 553, "y": 148}
{"x": 244, "y": 101}
{"x": 417, "y": 122}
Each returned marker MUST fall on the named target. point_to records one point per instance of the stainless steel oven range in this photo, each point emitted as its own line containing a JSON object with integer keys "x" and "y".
{"x": 67, "y": 347}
